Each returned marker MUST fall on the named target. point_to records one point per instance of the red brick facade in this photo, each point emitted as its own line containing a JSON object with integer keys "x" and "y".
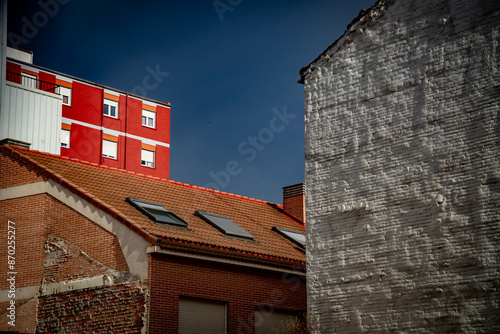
{"x": 242, "y": 288}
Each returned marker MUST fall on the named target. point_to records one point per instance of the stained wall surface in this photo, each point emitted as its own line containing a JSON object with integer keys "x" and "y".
{"x": 402, "y": 171}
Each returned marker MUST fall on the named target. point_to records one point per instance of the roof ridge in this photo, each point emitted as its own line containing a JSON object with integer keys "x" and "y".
{"x": 151, "y": 177}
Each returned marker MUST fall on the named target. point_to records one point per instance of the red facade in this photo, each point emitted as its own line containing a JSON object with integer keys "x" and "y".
{"x": 83, "y": 115}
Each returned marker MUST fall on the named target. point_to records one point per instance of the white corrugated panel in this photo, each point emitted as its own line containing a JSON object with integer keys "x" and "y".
{"x": 32, "y": 116}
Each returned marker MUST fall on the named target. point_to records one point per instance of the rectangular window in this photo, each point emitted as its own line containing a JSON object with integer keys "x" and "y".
{"x": 157, "y": 212}
{"x": 109, "y": 149}
{"x": 225, "y": 225}
{"x": 110, "y": 108}
{"x": 65, "y": 137}
{"x": 271, "y": 321}
{"x": 149, "y": 118}
{"x": 297, "y": 237}
{"x": 147, "y": 158}
{"x": 66, "y": 95}
{"x": 201, "y": 316}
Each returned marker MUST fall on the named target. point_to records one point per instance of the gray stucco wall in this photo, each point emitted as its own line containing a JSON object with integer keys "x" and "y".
{"x": 402, "y": 119}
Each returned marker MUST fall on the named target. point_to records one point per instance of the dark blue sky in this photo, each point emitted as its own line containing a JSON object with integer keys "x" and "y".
{"x": 237, "y": 110}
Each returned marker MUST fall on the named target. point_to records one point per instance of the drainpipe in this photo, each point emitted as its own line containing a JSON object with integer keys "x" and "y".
{"x": 101, "y": 159}
{"x": 126, "y": 127}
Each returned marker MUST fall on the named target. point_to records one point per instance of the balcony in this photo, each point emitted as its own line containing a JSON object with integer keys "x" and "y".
{"x": 32, "y": 81}
{"x": 31, "y": 112}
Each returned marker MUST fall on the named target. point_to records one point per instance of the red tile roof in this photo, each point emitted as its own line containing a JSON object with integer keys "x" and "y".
{"x": 108, "y": 188}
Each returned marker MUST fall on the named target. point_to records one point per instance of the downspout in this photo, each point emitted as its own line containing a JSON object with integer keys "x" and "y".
{"x": 126, "y": 133}
{"x": 101, "y": 159}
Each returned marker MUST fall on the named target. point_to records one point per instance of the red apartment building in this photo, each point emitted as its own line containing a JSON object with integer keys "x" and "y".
{"x": 98, "y": 249}
{"x": 98, "y": 124}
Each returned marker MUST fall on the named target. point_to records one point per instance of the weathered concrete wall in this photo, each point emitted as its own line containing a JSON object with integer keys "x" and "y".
{"x": 403, "y": 170}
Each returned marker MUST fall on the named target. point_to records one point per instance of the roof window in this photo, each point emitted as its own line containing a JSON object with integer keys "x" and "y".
{"x": 225, "y": 225}
{"x": 156, "y": 212}
{"x": 294, "y": 236}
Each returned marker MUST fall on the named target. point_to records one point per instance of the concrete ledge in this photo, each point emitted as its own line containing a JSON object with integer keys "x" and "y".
{"x": 78, "y": 284}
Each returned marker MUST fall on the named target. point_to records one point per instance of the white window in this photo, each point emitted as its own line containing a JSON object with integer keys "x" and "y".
{"x": 66, "y": 95}
{"x": 149, "y": 118}
{"x": 111, "y": 108}
{"x": 65, "y": 138}
{"x": 147, "y": 158}
{"x": 201, "y": 316}
{"x": 109, "y": 149}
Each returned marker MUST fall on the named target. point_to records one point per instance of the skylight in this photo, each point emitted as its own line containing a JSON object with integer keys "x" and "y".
{"x": 225, "y": 225}
{"x": 156, "y": 212}
{"x": 294, "y": 236}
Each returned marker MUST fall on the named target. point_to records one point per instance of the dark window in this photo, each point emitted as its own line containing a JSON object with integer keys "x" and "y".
{"x": 294, "y": 236}
{"x": 225, "y": 225}
{"x": 156, "y": 212}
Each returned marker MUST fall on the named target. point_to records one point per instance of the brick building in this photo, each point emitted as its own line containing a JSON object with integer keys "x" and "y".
{"x": 61, "y": 114}
{"x": 107, "y": 250}
{"x": 402, "y": 171}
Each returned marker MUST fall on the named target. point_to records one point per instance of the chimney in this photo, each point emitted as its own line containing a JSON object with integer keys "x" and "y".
{"x": 294, "y": 201}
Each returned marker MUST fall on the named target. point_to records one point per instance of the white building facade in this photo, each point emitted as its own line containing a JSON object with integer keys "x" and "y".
{"x": 402, "y": 117}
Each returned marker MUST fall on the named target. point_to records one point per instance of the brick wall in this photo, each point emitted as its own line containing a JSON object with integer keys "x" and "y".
{"x": 10, "y": 175}
{"x": 403, "y": 169}
{"x": 116, "y": 309}
{"x": 54, "y": 243}
{"x": 243, "y": 289}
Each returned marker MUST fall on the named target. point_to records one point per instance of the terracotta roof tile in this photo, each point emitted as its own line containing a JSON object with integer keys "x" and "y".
{"x": 108, "y": 188}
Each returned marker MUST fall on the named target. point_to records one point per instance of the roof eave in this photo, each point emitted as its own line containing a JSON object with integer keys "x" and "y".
{"x": 231, "y": 253}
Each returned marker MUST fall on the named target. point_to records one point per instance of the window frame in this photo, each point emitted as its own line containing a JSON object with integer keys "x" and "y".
{"x": 240, "y": 232}
{"x": 145, "y": 111}
{"x": 116, "y": 146}
{"x": 110, "y": 103}
{"x": 68, "y": 136}
{"x": 285, "y": 233}
{"x": 152, "y": 162}
{"x": 149, "y": 209}
{"x": 63, "y": 89}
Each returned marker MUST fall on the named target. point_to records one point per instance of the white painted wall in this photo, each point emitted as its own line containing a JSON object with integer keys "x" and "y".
{"x": 32, "y": 116}
{"x": 402, "y": 121}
